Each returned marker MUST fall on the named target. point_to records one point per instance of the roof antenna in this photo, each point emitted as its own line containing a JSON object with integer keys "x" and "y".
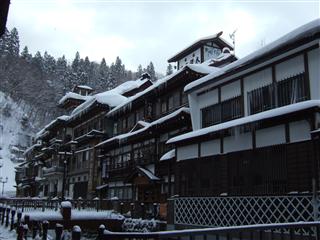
{"x": 233, "y": 38}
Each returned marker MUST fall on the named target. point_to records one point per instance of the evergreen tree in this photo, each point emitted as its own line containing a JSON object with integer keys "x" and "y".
{"x": 49, "y": 63}
{"x": 37, "y": 60}
{"x": 14, "y": 43}
{"x": 26, "y": 55}
{"x": 151, "y": 71}
{"x": 139, "y": 71}
{"x": 103, "y": 74}
{"x": 169, "y": 70}
{"x": 4, "y": 43}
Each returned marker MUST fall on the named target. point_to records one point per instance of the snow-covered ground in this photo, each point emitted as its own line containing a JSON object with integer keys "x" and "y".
{"x": 14, "y": 131}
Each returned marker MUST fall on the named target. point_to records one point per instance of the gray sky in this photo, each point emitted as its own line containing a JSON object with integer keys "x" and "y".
{"x": 142, "y": 31}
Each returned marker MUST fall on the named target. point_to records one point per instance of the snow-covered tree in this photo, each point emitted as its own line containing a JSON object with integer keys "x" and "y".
{"x": 139, "y": 71}
{"x": 151, "y": 71}
{"x": 26, "y": 55}
{"x": 14, "y": 43}
{"x": 169, "y": 69}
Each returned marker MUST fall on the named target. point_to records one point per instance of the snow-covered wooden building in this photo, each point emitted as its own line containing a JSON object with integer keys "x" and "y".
{"x": 255, "y": 127}
{"x": 138, "y": 166}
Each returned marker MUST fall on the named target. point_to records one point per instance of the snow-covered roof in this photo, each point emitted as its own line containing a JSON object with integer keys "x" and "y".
{"x": 29, "y": 149}
{"x": 111, "y": 98}
{"x": 168, "y": 155}
{"x": 249, "y": 119}
{"x": 198, "y": 43}
{"x": 130, "y": 85}
{"x": 304, "y": 31}
{"x": 199, "y": 68}
{"x": 154, "y": 123}
{"x": 148, "y": 174}
{"x": 85, "y": 87}
{"x": 73, "y": 95}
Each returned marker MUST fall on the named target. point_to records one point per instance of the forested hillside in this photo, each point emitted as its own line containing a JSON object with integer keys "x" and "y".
{"x": 40, "y": 79}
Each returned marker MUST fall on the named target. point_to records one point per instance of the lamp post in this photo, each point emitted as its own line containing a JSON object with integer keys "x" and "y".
{"x": 3, "y": 182}
{"x": 65, "y": 167}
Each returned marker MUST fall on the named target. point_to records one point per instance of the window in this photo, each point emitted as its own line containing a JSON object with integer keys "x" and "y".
{"x": 211, "y": 115}
{"x": 260, "y": 99}
{"x": 292, "y": 90}
{"x": 221, "y": 112}
{"x": 170, "y": 103}
{"x": 163, "y": 106}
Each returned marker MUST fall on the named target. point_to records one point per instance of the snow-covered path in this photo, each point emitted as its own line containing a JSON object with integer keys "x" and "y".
{"x": 6, "y": 234}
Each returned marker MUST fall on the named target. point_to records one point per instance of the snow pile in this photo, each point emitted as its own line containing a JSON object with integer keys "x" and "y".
{"x": 199, "y": 68}
{"x": 15, "y": 130}
{"x": 72, "y": 95}
{"x": 309, "y": 29}
{"x": 139, "y": 225}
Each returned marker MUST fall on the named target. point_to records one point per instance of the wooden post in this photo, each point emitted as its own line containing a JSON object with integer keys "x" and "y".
{"x": 58, "y": 230}
{"x": 19, "y": 215}
{"x": 20, "y": 232}
{"x": 1, "y": 206}
{"x": 121, "y": 207}
{"x": 27, "y": 220}
{"x": 25, "y": 231}
{"x": 43, "y": 206}
{"x": 3, "y": 214}
{"x": 76, "y": 233}
{"x": 45, "y": 226}
{"x": 34, "y": 230}
{"x": 100, "y": 231}
{"x": 7, "y": 216}
{"x": 13, "y": 213}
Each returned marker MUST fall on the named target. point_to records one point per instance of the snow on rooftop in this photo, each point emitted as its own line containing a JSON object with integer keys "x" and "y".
{"x": 199, "y": 68}
{"x": 304, "y": 31}
{"x": 72, "y": 95}
{"x": 159, "y": 121}
{"x": 211, "y": 37}
{"x": 168, "y": 155}
{"x": 85, "y": 87}
{"x": 249, "y": 119}
{"x": 29, "y": 149}
{"x": 149, "y": 174}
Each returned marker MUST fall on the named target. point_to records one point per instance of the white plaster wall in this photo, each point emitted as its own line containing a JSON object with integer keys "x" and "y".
{"x": 187, "y": 152}
{"x": 208, "y": 99}
{"x": 254, "y": 81}
{"x": 210, "y": 148}
{"x": 197, "y": 53}
{"x": 270, "y": 136}
{"x": 299, "y": 131}
{"x": 314, "y": 73}
{"x": 194, "y": 111}
{"x": 289, "y": 68}
{"x": 237, "y": 142}
{"x": 230, "y": 90}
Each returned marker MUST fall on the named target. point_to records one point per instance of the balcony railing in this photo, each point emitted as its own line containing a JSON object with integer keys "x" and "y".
{"x": 53, "y": 170}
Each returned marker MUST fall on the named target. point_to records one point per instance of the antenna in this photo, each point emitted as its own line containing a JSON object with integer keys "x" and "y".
{"x": 233, "y": 38}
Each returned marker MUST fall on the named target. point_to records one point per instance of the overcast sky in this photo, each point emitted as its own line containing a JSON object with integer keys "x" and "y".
{"x": 143, "y": 31}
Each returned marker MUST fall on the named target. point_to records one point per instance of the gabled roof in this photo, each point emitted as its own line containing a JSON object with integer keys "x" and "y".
{"x": 72, "y": 96}
{"x": 192, "y": 47}
{"x": 144, "y": 172}
{"x": 306, "y": 31}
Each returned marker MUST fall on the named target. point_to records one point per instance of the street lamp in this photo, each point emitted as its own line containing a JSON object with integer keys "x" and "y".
{"x": 3, "y": 182}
